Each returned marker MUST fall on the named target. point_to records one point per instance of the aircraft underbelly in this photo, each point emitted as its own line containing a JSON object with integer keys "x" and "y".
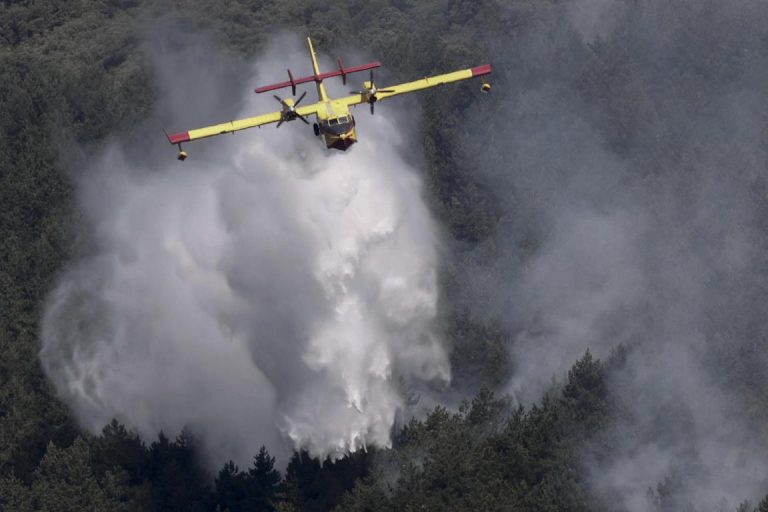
{"x": 341, "y": 145}
{"x": 341, "y": 142}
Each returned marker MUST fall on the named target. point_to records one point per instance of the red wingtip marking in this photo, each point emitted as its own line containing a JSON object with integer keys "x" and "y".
{"x": 485, "y": 69}
{"x": 178, "y": 138}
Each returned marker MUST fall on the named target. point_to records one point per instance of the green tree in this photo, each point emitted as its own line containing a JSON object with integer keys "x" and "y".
{"x": 65, "y": 482}
{"x": 178, "y": 482}
{"x": 232, "y": 490}
{"x": 265, "y": 480}
{"x": 14, "y": 495}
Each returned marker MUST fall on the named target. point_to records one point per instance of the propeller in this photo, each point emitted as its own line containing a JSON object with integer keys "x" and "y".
{"x": 371, "y": 92}
{"x": 289, "y": 112}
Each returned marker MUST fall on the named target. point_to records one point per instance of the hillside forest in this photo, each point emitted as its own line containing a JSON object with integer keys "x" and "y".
{"x": 603, "y": 274}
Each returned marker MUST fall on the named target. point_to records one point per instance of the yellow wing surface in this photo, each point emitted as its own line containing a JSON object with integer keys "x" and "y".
{"x": 290, "y": 112}
{"x": 240, "y": 124}
{"x": 417, "y": 85}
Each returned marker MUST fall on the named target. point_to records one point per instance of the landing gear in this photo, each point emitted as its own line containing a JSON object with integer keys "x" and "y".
{"x": 182, "y": 154}
{"x": 316, "y": 129}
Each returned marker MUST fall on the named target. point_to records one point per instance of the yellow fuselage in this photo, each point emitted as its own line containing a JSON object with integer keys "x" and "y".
{"x": 334, "y": 120}
{"x": 336, "y": 124}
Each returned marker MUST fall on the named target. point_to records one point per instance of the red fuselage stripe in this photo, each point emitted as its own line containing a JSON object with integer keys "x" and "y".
{"x": 485, "y": 69}
{"x": 177, "y": 138}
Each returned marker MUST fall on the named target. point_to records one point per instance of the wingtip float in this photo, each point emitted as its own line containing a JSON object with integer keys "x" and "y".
{"x": 334, "y": 121}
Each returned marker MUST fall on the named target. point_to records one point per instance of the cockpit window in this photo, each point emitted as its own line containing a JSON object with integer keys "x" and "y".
{"x": 338, "y": 125}
{"x": 338, "y": 120}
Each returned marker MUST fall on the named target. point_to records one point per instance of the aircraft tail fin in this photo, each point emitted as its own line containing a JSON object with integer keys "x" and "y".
{"x": 316, "y": 69}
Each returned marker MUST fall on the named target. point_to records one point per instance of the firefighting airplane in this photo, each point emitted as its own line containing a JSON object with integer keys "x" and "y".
{"x": 334, "y": 120}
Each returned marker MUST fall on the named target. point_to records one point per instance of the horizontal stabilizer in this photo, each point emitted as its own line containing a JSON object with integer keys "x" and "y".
{"x": 342, "y": 71}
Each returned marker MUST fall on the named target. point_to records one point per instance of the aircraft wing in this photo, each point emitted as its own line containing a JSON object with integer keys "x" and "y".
{"x": 234, "y": 126}
{"x": 418, "y": 85}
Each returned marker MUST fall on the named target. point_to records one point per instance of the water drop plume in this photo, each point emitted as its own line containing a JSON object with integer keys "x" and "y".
{"x": 265, "y": 291}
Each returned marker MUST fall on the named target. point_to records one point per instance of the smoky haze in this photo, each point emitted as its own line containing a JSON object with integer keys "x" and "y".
{"x": 265, "y": 291}
{"x": 629, "y": 157}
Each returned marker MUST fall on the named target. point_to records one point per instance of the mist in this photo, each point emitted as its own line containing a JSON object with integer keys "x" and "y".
{"x": 265, "y": 291}
{"x": 629, "y": 175}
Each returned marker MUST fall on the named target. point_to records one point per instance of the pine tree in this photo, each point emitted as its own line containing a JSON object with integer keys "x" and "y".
{"x": 14, "y": 495}
{"x": 65, "y": 482}
{"x": 232, "y": 489}
{"x": 117, "y": 447}
{"x": 178, "y": 482}
{"x": 265, "y": 480}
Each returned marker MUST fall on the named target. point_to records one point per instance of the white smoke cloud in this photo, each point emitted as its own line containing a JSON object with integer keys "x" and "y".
{"x": 645, "y": 223}
{"x": 265, "y": 291}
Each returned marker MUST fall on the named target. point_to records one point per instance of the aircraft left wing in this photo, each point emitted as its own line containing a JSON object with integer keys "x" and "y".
{"x": 417, "y": 85}
{"x": 240, "y": 124}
